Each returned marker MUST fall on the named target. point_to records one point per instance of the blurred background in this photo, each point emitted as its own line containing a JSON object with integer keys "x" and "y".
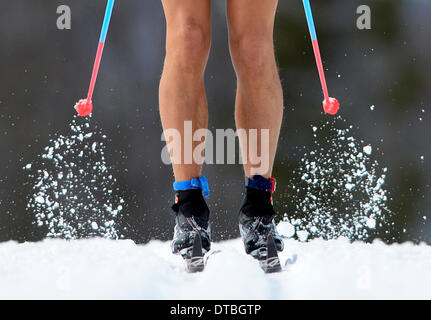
{"x": 44, "y": 71}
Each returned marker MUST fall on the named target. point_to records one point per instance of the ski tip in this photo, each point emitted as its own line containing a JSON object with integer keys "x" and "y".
{"x": 272, "y": 262}
{"x": 197, "y": 246}
{"x": 271, "y": 247}
{"x": 196, "y": 262}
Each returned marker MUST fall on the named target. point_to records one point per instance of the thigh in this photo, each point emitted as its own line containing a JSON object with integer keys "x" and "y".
{"x": 181, "y": 14}
{"x": 251, "y": 16}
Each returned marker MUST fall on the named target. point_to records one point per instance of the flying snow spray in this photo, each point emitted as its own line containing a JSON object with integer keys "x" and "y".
{"x": 338, "y": 189}
{"x": 75, "y": 192}
{"x": 330, "y": 105}
{"x": 84, "y": 107}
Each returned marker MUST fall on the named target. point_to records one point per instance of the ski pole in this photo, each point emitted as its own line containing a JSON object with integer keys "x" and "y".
{"x": 330, "y": 105}
{"x": 84, "y": 107}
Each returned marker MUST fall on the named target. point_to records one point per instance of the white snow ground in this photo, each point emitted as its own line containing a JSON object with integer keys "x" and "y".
{"x": 101, "y": 268}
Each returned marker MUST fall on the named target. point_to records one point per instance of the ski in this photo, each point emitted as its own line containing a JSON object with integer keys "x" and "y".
{"x": 291, "y": 260}
{"x": 210, "y": 254}
{"x": 268, "y": 258}
{"x": 195, "y": 263}
{"x": 271, "y": 262}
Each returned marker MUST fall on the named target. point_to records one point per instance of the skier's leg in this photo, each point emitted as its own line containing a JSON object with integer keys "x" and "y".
{"x": 182, "y": 94}
{"x": 259, "y": 105}
{"x": 259, "y": 102}
{"x": 182, "y": 98}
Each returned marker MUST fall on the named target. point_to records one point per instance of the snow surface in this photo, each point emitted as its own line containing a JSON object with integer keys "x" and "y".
{"x": 120, "y": 269}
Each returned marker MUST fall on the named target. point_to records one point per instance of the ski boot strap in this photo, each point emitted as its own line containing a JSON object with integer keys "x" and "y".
{"x": 196, "y": 183}
{"x": 261, "y": 183}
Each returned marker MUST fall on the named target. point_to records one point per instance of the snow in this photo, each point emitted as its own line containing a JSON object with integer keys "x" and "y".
{"x": 339, "y": 188}
{"x": 40, "y": 199}
{"x": 119, "y": 269}
{"x": 302, "y": 235}
{"x": 368, "y": 149}
{"x": 286, "y": 229}
{"x": 64, "y": 179}
{"x": 371, "y": 223}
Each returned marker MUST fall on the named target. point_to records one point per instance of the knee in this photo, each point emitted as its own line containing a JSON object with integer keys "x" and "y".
{"x": 251, "y": 52}
{"x": 189, "y": 43}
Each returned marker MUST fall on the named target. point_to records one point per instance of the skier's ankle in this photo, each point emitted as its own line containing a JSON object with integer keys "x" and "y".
{"x": 192, "y": 204}
{"x": 258, "y": 197}
{"x": 189, "y": 200}
{"x": 195, "y": 183}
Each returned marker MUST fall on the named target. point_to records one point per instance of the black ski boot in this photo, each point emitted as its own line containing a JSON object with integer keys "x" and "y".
{"x": 255, "y": 231}
{"x": 192, "y": 219}
{"x": 256, "y": 220}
